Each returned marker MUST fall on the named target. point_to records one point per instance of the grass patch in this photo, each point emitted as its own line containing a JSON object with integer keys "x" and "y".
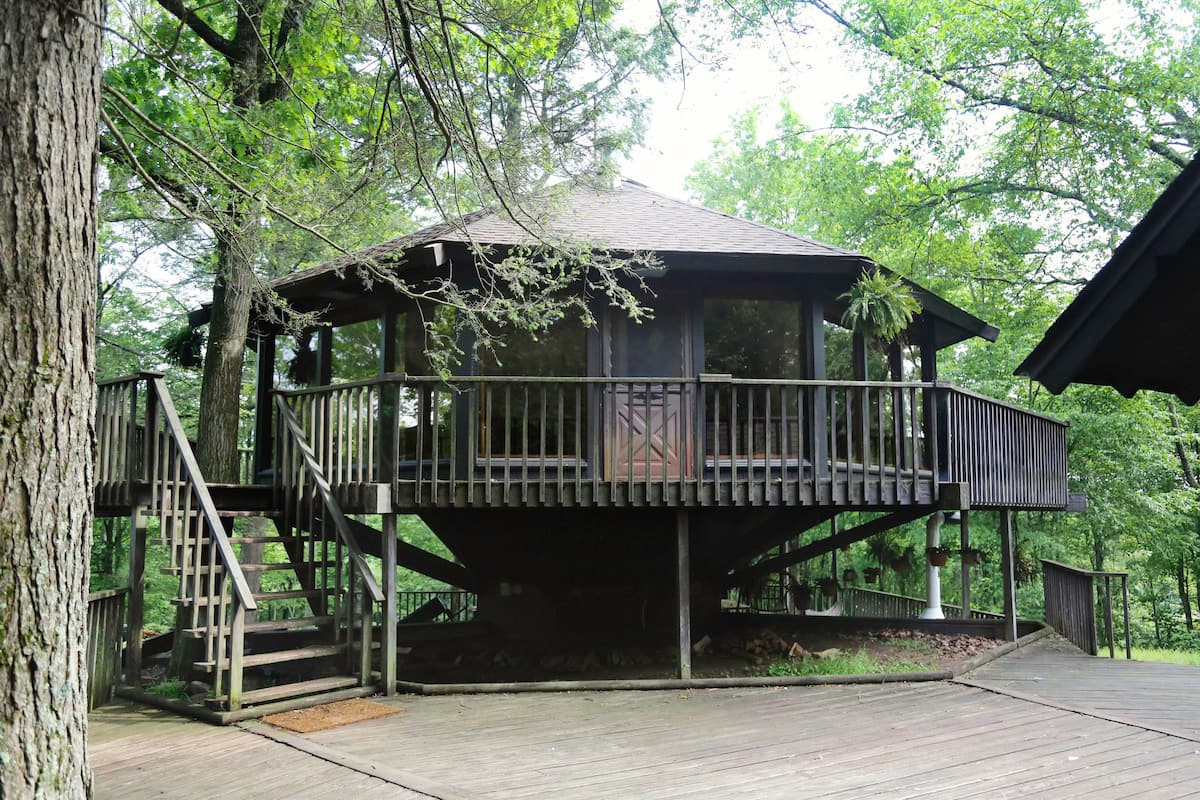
{"x": 172, "y": 690}
{"x": 860, "y": 663}
{"x": 1161, "y": 655}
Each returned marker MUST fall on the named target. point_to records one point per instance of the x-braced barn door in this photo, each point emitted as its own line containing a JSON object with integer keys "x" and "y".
{"x": 648, "y": 423}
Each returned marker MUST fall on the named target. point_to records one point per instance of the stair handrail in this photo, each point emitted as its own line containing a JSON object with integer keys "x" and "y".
{"x": 317, "y": 475}
{"x": 191, "y": 470}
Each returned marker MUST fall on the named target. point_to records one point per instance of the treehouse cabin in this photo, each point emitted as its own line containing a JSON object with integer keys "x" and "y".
{"x": 611, "y": 478}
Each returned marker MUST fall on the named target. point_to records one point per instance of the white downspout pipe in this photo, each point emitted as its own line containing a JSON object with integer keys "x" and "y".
{"x": 933, "y": 579}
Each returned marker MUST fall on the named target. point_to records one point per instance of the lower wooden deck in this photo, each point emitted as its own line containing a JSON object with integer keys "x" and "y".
{"x": 946, "y": 740}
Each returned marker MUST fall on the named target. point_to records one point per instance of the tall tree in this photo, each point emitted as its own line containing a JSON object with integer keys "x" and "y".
{"x": 252, "y": 117}
{"x": 50, "y": 95}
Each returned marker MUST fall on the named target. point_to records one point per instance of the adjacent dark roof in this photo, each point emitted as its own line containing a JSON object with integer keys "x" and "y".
{"x": 1133, "y": 326}
{"x": 626, "y": 218}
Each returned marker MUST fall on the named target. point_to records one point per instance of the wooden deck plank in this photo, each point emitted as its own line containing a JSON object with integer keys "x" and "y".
{"x": 895, "y": 741}
{"x": 1161, "y": 696}
{"x": 143, "y": 753}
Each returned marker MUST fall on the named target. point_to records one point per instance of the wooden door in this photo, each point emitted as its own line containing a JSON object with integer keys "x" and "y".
{"x": 649, "y": 423}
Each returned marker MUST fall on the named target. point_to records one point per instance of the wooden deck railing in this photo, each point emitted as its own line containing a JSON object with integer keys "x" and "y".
{"x": 714, "y": 440}
{"x": 106, "y": 639}
{"x": 1070, "y": 594}
{"x": 856, "y": 601}
{"x": 322, "y": 539}
{"x": 1011, "y": 457}
{"x": 143, "y": 445}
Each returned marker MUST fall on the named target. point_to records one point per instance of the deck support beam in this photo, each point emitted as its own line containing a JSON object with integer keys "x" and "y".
{"x": 1007, "y": 575}
{"x": 822, "y": 546}
{"x": 683, "y": 592}
{"x": 137, "y": 596}
{"x": 387, "y": 667}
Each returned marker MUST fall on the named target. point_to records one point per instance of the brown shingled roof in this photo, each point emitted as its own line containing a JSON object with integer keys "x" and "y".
{"x": 629, "y": 217}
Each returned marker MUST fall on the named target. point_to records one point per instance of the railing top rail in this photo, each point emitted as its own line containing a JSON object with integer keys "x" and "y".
{"x": 716, "y": 379}
{"x": 143, "y": 375}
{"x": 339, "y": 519}
{"x": 1004, "y": 404}
{"x": 216, "y": 529}
{"x": 106, "y": 594}
{"x": 1087, "y": 573}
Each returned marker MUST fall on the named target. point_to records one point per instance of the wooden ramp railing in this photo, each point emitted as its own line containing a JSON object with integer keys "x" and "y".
{"x": 106, "y": 639}
{"x": 143, "y": 446}
{"x": 1071, "y": 605}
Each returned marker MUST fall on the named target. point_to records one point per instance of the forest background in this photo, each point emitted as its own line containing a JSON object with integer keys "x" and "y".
{"x": 996, "y": 153}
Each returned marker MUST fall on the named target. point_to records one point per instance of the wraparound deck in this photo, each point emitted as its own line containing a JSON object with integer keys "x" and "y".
{"x": 712, "y": 441}
{"x": 945, "y": 740}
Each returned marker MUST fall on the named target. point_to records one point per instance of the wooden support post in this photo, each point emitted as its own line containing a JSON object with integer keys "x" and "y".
{"x": 1007, "y": 575}
{"x": 264, "y": 408}
{"x": 390, "y": 615}
{"x": 964, "y": 543}
{"x": 683, "y": 591}
{"x": 1108, "y": 621}
{"x": 814, "y": 321}
{"x": 324, "y": 355}
{"x": 387, "y": 398}
{"x": 237, "y": 646}
{"x": 1125, "y": 606}
{"x": 137, "y": 597}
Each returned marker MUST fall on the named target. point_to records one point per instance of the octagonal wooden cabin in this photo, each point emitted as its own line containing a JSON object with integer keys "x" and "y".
{"x": 620, "y": 475}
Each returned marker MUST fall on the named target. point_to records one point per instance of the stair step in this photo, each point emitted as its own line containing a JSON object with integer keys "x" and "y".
{"x": 294, "y": 594}
{"x": 258, "y": 596}
{"x": 288, "y": 690}
{"x": 265, "y": 625}
{"x": 280, "y": 656}
{"x": 292, "y": 623}
{"x": 292, "y": 565}
{"x": 256, "y": 539}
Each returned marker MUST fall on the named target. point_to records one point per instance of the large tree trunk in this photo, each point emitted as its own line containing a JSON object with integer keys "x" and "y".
{"x": 49, "y": 107}
{"x": 221, "y": 390}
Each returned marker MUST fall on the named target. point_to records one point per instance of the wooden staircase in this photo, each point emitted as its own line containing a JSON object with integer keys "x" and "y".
{"x": 271, "y": 611}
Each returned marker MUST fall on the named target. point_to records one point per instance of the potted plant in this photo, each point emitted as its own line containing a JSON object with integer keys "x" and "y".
{"x": 971, "y": 557}
{"x": 871, "y": 574}
{"x": 849, "y": 575}
{"x": 801, "y": 595}
{"x": 829, "y": 587}
{"x": 938, "y": 556}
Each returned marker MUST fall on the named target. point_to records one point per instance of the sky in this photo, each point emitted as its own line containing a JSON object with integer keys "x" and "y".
{"x": 688, "y": 115}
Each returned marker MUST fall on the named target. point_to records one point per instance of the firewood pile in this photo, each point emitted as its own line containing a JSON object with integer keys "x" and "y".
{"x": 759, "y": 646}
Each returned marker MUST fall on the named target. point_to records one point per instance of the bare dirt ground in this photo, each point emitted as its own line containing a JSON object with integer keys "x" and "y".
{"x": 750, "y": 652}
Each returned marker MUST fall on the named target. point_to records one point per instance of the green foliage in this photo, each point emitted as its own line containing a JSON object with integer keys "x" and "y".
{"x": 172, "y": 690}
{"x": 879, "y": 306}
{"x": 858, "y": 663}
{"x": 1000, "y": 153}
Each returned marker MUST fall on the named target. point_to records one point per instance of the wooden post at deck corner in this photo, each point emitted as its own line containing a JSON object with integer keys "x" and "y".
{"x": 683, "y": 592}
{"x": 137, "y": 597}
{"x": 1007, "y": 575}
{"x": 964, "y": 542}
{"x": 387, "y": 667}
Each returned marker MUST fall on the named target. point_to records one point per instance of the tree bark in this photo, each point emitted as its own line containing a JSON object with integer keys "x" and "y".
{"x": 221, "y": 388}
{"x": 49, "y": 115}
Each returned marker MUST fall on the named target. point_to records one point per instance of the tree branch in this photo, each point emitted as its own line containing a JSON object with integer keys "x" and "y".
{"x": 201, "y": 28}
